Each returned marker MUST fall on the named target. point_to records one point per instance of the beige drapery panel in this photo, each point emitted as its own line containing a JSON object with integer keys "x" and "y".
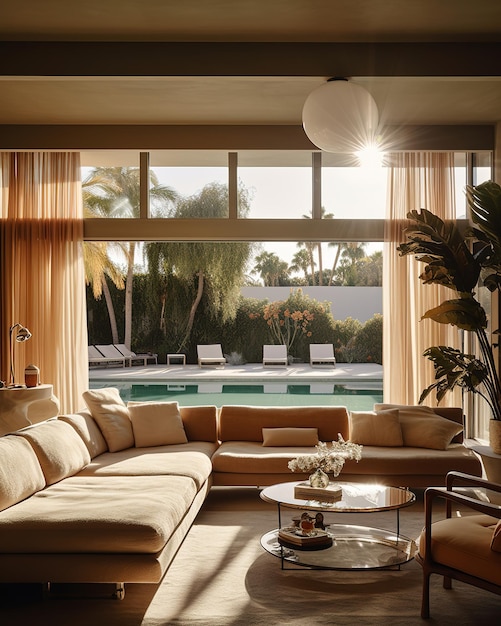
{"x": 416, "y": 180}
{"x": 42, "y": 273}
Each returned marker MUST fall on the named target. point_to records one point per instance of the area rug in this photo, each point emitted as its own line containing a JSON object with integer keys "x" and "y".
{"x": 223, "y": 577}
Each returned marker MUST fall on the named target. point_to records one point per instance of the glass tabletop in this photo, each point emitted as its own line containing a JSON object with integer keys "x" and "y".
{"x": 355, "y": 498}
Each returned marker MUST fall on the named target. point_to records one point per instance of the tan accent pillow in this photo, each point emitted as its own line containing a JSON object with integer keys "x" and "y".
{"x": 423, "y": 428}
{"x": 496, "y": 538}
{"x": 59, "y": 448}
{"x": 157, "y": 424}
{"x": 111, "y": 414}
{"x": 290, "y": 436}
{"x": 376, "y": 428}
{"x": 20, "y": 473}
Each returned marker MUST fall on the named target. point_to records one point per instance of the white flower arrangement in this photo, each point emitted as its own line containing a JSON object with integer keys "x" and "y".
{"x": 329, "y": 458}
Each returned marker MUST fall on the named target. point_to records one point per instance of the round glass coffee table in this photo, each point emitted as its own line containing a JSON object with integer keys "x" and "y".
{"x": 353, "y": 547}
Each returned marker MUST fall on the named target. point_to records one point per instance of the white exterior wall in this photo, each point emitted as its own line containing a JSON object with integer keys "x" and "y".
{"x": 360, "y": 303}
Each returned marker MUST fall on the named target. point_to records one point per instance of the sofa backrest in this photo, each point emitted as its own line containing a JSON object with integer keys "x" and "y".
{"x": 455, "y": 414}
{"x": 20, "y": 471}
{"x": 86, "y": 426}
{"x": 246, "y": 423}
{"x": 200, "y": 422}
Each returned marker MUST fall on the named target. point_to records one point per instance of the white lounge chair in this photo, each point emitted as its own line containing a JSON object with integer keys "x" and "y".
{"x": 210, "y": 354}
{"x": 133, "y": 356}
{"x": 275, "y": 355}
{"x": 322, "y": 354}
{"x": 97, "y": 358}
{"x": 110, "y": 352}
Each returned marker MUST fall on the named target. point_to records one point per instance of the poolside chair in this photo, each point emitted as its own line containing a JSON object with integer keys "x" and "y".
{"x": 132, "y": 356}
{"x": 97, "y": 358}
{"x": 275, "y": 355}
{"x": 110, "y": 352}
{"x": 322, "y": 354}
{"x": 211, "y": 354}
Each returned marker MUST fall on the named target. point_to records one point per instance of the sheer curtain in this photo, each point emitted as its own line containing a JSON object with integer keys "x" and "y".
{"x": 416, "y": 180}
{"x": 42, "y": 273}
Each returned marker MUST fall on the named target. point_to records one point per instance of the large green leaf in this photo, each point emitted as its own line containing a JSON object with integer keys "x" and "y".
{"x": 444, "y": 249}
{"x": 465, "y": 313}
{"x": 454, "y": 369}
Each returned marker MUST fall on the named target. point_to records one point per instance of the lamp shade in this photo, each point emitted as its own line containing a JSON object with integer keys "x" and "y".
{"x": 340, "y": 116}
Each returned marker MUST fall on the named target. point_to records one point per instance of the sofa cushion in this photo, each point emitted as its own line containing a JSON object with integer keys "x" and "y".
{"x": 89, "y": 431}
{"x": 251, "y": 457}
{"x": 290, "y": 436}
{"x": 192, "y": 459}
{"x": 20, "y": 472}
{"x": 117, "y": 514}
{"x": 156, "y": 423}
{"x": 59, "y": 448}
{"x": 246, "y": 423}
{"x": 422, "y": 427}
{"x": 112, "y": 416}
{"x": 376, "y": 428}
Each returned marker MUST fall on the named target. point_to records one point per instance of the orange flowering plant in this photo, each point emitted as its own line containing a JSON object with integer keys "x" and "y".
{"x": 285, "y": 322}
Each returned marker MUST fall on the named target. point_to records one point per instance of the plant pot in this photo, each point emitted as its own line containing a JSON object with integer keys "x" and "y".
{"x": 495, "y": 435}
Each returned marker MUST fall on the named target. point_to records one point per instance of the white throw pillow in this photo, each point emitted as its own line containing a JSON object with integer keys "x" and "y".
{"x": 156, "y": 424}
{"x": 111, "y": 414}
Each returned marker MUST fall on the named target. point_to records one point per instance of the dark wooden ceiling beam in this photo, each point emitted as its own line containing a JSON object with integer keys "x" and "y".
{"x": 248, "y": 59}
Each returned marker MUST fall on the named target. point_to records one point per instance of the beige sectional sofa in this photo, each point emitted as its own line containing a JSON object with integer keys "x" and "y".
{"x": 242, "y": 459}
{"x": 108, "y": 494}
{"x": 72, "y": 511}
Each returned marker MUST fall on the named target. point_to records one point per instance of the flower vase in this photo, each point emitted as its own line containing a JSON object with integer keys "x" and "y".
{"x": 319, "y": 479}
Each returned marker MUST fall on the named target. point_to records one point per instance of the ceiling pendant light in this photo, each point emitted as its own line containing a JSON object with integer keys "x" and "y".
{"x": 340, "y": 116}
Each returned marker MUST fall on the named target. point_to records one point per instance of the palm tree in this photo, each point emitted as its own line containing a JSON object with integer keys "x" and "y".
{"x": 115, "y": 192}
{"x": 311, "y": 246}
{"x": 271, "y": 268}
{"x": 97, "y": 266}
{"x": 301, "y": 263}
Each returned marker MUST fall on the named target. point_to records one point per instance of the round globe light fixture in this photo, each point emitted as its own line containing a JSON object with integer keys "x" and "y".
{"x": 340, "y": 116}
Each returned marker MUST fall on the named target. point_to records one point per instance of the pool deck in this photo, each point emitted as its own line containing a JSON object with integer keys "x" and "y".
{"x": 351, "y": 375}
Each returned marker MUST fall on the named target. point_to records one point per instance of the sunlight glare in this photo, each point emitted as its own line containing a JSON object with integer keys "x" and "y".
{"x": 370, "y": 157}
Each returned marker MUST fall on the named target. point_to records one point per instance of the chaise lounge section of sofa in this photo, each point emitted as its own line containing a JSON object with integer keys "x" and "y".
{"x": 71, "y": 510}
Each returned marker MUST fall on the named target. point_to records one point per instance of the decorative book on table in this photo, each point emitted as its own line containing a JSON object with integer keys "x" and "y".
{"x": 331, "y": 493}
{"x": 292, "y": 537}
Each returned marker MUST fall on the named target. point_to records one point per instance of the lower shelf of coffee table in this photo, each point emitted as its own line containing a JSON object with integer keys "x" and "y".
{"x": 353, "y": 548}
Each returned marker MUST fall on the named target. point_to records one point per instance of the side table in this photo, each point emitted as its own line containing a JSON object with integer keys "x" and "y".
{"x": 22, "y": 406}
{"x": 180, "y": 358}
{"x": 491, "y": 465}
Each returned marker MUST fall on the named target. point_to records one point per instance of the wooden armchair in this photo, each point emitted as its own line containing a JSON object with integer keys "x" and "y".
{"x": 465, "y": 548}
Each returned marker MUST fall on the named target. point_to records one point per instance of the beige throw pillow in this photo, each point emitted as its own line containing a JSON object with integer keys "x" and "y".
{"x": 290, "y": 437}
{"x": 20, "y": 471}
{"x": 423, "y": 428}
{"x": 112, "y": 417}
{"x": 376, "y": 428}
{"x": 157, "y": 424}
{"x": 60, "y": 450}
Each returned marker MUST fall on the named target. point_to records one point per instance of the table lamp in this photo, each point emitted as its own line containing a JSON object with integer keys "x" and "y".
{"x": 22, "y": 334}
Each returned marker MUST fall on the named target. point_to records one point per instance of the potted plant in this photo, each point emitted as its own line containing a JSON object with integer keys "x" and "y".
{"x": 459, "y": 261}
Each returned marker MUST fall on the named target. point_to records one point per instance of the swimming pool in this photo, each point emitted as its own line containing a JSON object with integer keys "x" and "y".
{"x": 356, "y": 397}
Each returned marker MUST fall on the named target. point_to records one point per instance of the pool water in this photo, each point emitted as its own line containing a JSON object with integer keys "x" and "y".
{"x": 264, "y": 394}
